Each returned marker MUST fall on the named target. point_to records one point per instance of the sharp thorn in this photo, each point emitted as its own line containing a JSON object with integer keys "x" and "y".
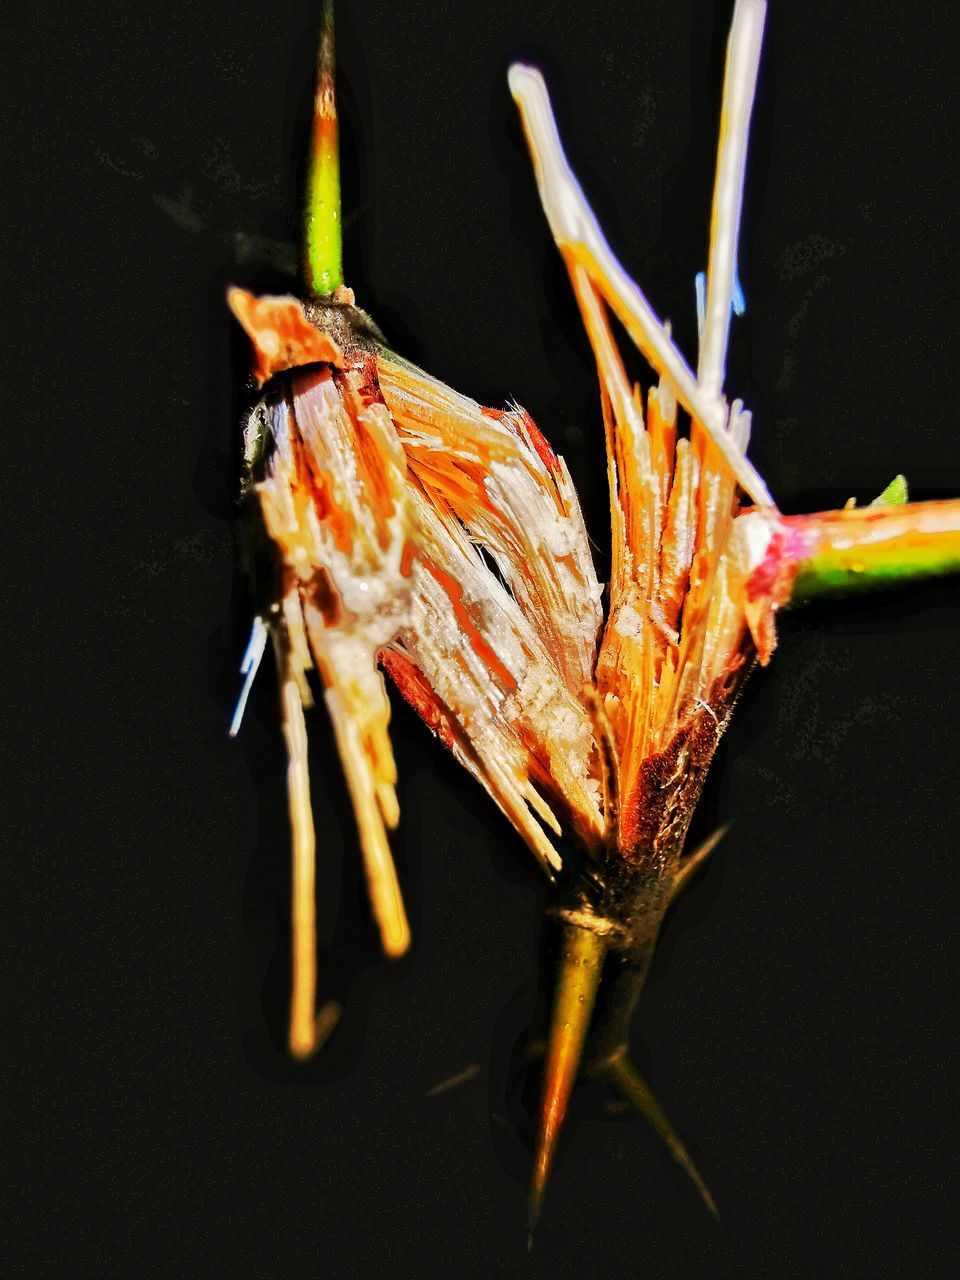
{"x": 689, "y": 867}
{"x": 326, "y": 1022}
{"x": 452, "y": 1082}
{"x": 637, "y": 1092}
{"x": 581, "y": 964}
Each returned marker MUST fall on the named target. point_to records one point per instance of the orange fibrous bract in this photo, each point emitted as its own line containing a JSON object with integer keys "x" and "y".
{"x": 415, "y": 531}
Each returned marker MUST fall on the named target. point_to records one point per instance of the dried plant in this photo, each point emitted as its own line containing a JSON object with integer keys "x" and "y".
{"x": 399, "y": 526}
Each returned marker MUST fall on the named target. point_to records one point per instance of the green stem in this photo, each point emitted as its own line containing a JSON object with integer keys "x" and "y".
{"x": 838, "y": 552}
{"x": 323, "y": 231}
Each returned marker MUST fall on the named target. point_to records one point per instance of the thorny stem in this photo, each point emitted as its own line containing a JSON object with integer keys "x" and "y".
{"x": 323, "y": 232}
{"x": 597, "y": 977}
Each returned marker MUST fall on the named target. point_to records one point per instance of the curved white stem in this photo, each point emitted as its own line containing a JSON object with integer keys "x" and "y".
{"x": 739, "y": 87}
{"x": 575, "y": 229}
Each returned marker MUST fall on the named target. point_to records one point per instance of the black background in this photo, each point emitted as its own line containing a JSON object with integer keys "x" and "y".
{"x": 797, "y": 1024}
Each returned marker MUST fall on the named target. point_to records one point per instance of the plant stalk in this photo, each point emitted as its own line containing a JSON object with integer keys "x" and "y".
{"x": 839, "y": 552}
{"x": 323, "y": 223}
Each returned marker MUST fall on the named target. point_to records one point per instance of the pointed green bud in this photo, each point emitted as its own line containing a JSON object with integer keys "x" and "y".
{"x": 894, "y": 495}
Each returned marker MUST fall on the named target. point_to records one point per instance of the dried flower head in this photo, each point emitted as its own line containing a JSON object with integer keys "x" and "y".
{"x": 413, "y": 532}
